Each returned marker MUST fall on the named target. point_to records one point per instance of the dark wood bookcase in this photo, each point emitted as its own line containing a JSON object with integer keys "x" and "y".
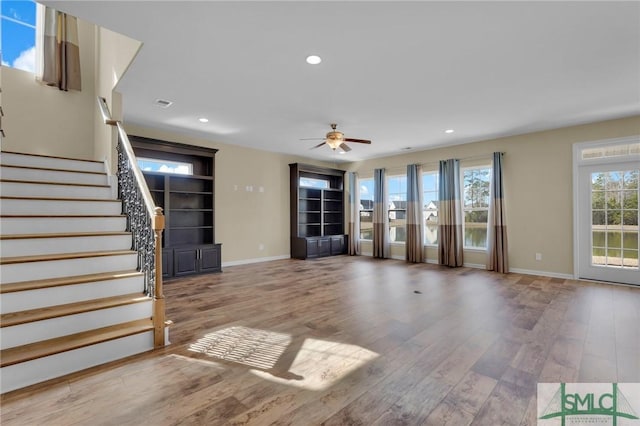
{"x": 188, "y": 201}
{"x": 317, "y": 213}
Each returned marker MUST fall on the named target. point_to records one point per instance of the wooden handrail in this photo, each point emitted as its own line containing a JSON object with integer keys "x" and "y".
{"x": 157, "y": 224}
{"x": 146, "y": 194}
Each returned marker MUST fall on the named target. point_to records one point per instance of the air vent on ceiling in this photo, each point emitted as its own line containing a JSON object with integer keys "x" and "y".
{"x": 163, "y": 103}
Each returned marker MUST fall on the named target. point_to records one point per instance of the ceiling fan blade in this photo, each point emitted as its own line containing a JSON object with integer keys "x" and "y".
{"x": 345, "y": 147}
{"x": 319, "y": 145}
{"x": 357, "y": 140}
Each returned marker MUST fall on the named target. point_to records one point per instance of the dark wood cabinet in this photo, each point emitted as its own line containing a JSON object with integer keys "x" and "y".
{"x": 317, "y": 211}
{"x": 188, "y": 201}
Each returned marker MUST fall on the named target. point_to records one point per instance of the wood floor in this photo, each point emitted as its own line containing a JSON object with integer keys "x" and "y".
{"x": 354, "y": 341}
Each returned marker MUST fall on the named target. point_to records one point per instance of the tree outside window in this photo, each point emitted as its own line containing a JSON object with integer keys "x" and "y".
{"x": 477, "y": 184}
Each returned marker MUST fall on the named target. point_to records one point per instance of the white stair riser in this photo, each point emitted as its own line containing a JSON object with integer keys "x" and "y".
{"x": 59, "y": 225}
{"x": 29, "y": 271}
{"x": 48, "y": 162}
{"x": 38, "y": 370}
{"x": 20, "y": 189}
{"x": 41, "y": 246}
{"x": 51, "y": 296}
{"x": 53, "y": 176}
{"x": 10, "y": 206}
{"x": 31, "y": 332}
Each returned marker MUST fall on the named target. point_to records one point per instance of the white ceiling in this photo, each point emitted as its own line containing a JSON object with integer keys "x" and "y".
{"x": 398, "y": 73}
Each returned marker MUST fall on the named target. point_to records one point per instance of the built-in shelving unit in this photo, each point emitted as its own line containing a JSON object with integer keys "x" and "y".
{"x": 317, "y": 211}
{"x": 188, "y": 201}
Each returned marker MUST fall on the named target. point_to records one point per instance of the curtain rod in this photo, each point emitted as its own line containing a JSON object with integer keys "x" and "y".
{"x": 431, "y": 163}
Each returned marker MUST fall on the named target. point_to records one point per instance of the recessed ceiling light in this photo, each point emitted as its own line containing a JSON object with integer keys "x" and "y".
{"x": 407, "y": 148}
{"x": 203, "y": 120}
{"x": 449, "y": 131}
{"x": 314, "y": 59}
{"x": 341, "y": 152}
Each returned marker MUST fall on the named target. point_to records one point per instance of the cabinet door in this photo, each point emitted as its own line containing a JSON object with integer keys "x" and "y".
{"x": 312, "y": 247}
{"x": 185, "y": 261}
{"x": 337, "y": 245}
{"x": 324, "y": 247}
{"x": 209, "y": 259}
{"x": 167, "y": 263}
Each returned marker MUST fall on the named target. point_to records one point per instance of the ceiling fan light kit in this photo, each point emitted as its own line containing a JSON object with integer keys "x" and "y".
{"x": 336, "y": 139}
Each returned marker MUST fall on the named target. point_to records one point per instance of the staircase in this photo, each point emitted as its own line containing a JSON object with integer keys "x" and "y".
{"x": 70, "y": 295}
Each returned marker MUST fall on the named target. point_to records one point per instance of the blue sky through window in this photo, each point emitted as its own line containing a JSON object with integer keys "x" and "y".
{"x": 18, "y": 34}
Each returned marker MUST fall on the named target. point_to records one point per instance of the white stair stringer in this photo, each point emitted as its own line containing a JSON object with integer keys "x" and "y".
{"x": 15, "y": 225}
{"x": 85, "y": 288}
{"x": 27, "y": 373}
{"x": 23, "y": 334}
{"x": 71, "y": 243}
{"x": 70, "y": 294}
{"x": 53, "y": 175}
{"x": 41, "y": 161}
{"x": 13, "y": 188}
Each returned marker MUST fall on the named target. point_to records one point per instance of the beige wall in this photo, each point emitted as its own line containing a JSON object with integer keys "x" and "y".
{"x": 245, "y": 220}
{"x": 44, "y": 120}
{"x": 114, "y": 54}
{"x": 538, "y": 189}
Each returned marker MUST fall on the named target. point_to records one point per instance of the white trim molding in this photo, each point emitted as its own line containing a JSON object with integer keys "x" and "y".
{"x": 541, "y": 273}
{"x": 255, "y": 260}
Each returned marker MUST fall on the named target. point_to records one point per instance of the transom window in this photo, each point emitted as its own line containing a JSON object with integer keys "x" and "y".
{"x": 314, "y": 183}
{"x": 165, "y": 166}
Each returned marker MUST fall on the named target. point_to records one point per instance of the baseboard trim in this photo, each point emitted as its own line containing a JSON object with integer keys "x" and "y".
{"x": 254, "y": 260}
{"x": 541, "y": 273}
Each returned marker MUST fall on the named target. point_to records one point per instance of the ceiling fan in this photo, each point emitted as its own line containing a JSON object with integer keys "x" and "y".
{"x": 336, "y": 139}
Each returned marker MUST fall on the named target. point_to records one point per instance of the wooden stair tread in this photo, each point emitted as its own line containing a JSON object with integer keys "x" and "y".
{"x": 10, "y": 197}
{"x": 48, "y": 312}
{"x": 42, "y": 182}
{"x": 52, "y": 169}
{"x": 62, "y": 256}
{"x": 63, "y": 235}
{"x": 57, "y": 345}
{"x": 52, "y": 156}
{"x": 57, "y": 282}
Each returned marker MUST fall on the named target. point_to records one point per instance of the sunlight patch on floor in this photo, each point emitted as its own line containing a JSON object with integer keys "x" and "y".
{"x": 311, "y": 364}
{"x": 321, "y": 364}
{"x": 243, "y": 345}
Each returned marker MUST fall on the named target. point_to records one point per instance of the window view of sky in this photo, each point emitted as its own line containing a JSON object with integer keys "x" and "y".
{"x": 18, "y": 34}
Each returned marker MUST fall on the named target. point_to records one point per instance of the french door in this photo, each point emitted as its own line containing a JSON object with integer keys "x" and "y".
{"x": 607, "y": 219}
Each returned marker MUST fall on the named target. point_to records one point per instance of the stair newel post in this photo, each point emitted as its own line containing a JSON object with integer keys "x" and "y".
{"x": 158, "y": 295}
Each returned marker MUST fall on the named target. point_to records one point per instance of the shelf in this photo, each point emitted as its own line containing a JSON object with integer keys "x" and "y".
{"x": 190, "y": 192}
{"x": 192, "y": 227}
{"x": 191, "y": 210}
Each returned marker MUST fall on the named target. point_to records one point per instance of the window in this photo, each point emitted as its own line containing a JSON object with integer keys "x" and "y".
{"x": 477, "y": 182}
{"x": 366, "y": 209}
{"x": 314, "y": 183}
{"x": 397, "y": 208}
{"x": 165, "y": 166}
{"x": 18, "y": 34}
{"x": 430, "y": 207}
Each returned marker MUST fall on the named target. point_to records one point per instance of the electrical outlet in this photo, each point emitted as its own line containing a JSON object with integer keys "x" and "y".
{"x": 260, "y": 246}
{"x": 538, "y": 256}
